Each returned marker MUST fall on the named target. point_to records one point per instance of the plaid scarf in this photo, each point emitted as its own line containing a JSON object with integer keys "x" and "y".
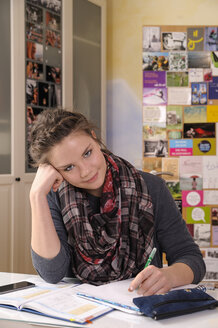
{"x": 115, "y": 243}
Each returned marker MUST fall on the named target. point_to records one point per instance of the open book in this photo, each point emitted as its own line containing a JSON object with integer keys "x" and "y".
{"x": 55, "y": 301}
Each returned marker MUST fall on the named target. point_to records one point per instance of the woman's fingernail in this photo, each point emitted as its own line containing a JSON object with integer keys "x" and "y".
{"x": 130, "y": 289}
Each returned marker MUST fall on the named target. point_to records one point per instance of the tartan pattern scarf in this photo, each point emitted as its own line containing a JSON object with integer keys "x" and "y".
{"x": 115, "y": 243}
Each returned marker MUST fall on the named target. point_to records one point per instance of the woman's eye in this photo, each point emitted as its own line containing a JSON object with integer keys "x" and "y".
{"x": 88, "y": 153}
{"x": 69, "y": 168}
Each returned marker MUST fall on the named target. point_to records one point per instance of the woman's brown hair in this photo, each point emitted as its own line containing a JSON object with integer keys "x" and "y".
{"x": 51, "y": 127}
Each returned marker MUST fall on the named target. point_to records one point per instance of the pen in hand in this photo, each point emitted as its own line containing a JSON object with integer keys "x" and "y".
{"x": 150, "y": 257}
{"x": 147, "y": 263}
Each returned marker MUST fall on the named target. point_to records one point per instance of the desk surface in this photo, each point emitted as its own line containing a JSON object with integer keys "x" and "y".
{"x": 207, "y": 318}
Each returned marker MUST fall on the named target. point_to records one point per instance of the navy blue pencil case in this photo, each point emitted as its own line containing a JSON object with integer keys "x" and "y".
{"x": 175, "y": 303}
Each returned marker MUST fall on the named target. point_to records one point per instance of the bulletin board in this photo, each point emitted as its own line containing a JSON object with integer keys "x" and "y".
{"x": 43, "y": 60}
{"x": 180, "y": 115}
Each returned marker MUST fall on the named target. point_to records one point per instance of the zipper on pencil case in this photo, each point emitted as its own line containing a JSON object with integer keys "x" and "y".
{"x": 180, "y": 312}
{"x": 181, "y": 300}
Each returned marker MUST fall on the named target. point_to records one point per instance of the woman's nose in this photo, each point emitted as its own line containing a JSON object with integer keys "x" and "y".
{"x": 84, "y": 170}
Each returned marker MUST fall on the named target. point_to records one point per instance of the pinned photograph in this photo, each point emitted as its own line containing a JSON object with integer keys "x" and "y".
{"x": 154, "y": 96}
{"x": 155, "y": 148}
{"x": 174, "y": 117}
{"x": 213, "y": 89}
{"x": 191, "y": 198}
{"x": 208, "y": 76}
{"x": 174, "y": 188}
{"x": 178, "y": 61}
{"x": 198, "y": 215}
{"x": 155, "y": 61}
{"x": 53, "y": 5}
{"x": 34, "y": 32}
{"x": 154, "y": 79}
{"x": 179, "y": 96}
{"x": 214, "y": 228}
{"x": 214, "y": 217}
{"x": 214, "y": 62}
{"x": 32, "y": 92}
{"x": 55, "y": 95}
{"x": 161, "y": 149}
{"x": 53, "y": 74}
{"x": 212, "y": 113}
{"x": 211, "y": 197}
{"x": 199, "y": 130}
{"x": 151, "y": 38}
{"x": 174, "y": 41}
{"x": 53, "y": 21}
{"x": 199, "y": 93}
{"x": 174, "y": 134}
{"x": 191, "y": 176}
{"x": 191, "y": 182}
{"x": 53, "y": 39}
{"x": 204, "y": 146}
{"x": 177, "y": 79}
{"x": 170, "y": 166}
{"x": 196, "y": 75}
{"x": 181, "y": 147}
{"x": 34, "y": 51}
{"x": 34, "y": 70}
{"x": 195, "y": 114}
{"x": 154, "y": 131}
{"x": 210, "y": 172}
{"x": 43, "y": 94}
{"x": 31, "y": 115}
{"x": 202, "y": 234}
{"x": 152, "y": 165}
{"x": 154, "y": 114}
{"x": 199, "y": 59}
{"x": 34, "y": 15}
{"x": 195, "y": 36}
{"x": 211, "y": 261}
{"x": 211, "y": 38}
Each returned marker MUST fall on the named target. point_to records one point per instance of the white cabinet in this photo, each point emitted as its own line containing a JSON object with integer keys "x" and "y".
{"x": 15, "y": 213}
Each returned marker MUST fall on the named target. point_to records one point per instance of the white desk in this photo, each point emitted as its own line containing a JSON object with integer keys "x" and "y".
{"x": 115, "y": 319}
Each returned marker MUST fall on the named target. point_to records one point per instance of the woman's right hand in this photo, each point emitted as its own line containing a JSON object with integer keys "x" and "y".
{"x": 47, "y": 177}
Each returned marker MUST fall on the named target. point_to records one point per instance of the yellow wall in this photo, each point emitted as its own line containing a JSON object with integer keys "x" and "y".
{"x": 125, "y": 19}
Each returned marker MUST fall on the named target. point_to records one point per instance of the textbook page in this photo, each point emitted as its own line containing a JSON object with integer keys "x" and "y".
{"x": 115, "y": 294}
{"x": 62, "y": 303}
{"x": 17, "y": 298}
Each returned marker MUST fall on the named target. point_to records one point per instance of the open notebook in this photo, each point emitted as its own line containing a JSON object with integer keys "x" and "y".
{"x": 114, "y": 294}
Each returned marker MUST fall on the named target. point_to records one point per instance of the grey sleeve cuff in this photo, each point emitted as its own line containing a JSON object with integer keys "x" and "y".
{"x": 198, "y": 268}
{"x": 51, "y": 270}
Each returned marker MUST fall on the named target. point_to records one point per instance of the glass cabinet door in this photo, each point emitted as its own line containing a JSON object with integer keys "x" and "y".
{"x": 5, "y": 88}
{"x": 87, "y": 60}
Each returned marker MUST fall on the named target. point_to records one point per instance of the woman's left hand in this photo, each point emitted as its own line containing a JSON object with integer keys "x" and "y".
{"x": 152, "y": 280}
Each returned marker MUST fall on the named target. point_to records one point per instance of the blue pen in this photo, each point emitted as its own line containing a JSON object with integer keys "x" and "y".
{"x": 150, "y": 257}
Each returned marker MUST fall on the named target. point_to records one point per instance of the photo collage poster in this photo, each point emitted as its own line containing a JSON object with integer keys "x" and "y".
{"x": 180, "y": 119}
{"x": 43, "y": 64}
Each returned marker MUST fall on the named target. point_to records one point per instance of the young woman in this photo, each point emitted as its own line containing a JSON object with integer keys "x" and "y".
{"x": 96, "y": 217}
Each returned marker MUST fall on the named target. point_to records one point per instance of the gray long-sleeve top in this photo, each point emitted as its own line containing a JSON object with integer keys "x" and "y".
{"x": 170, "y": 235}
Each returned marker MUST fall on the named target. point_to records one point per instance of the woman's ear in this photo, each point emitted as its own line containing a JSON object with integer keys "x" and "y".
{"x": 93, "y": 134}
{"x": 95, "y": 138}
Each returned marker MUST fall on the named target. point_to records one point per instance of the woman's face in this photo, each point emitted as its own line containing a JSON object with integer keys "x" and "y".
{"x": 79, "y": 160}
